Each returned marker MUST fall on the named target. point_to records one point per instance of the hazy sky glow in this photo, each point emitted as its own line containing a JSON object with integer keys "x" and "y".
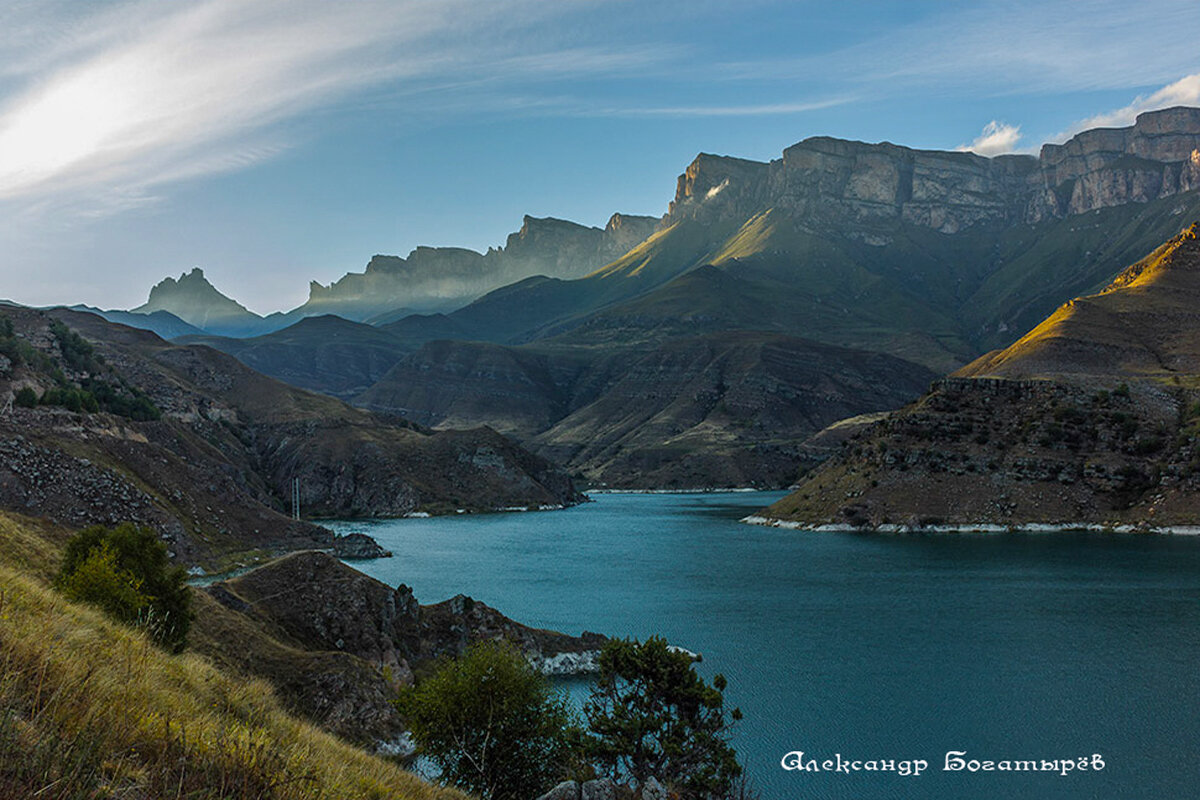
{"x": 277, "y": 141}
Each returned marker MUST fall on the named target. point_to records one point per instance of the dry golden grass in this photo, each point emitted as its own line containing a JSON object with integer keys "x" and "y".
{"x": 90, "y": 709}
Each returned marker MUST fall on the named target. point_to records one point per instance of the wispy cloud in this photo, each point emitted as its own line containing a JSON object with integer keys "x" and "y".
{"x": 996, "y": 139}
{"x": 111, "y": 104}
{"x": 751, "y": 110}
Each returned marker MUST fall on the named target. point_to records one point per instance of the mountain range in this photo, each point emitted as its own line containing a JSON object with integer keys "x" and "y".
{"x": 429, "y": 279}
{"x": 874, "y": 265}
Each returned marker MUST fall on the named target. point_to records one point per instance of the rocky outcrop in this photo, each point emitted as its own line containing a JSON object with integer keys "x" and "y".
{"x": 324, "y": 605}
{"x": 860, "y": 188}
{"x": 1092, "y": 419}
{"x": 357, "y": 546}
{"x": 1010, "y": 454}
{"x": 358, "y": 638}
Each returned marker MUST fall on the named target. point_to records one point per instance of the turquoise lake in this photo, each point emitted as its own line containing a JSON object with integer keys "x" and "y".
{"x": 1005, "y": 646}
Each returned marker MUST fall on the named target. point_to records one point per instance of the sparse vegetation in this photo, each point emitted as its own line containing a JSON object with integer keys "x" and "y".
{"x": 90, "y": 708}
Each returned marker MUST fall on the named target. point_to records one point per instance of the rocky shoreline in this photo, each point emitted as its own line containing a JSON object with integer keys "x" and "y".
{"x": 337, "y": 643}
{"x": 976, "y": 527}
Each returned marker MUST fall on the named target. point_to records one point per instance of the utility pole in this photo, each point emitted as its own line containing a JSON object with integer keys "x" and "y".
{"x": 296, "y": 498}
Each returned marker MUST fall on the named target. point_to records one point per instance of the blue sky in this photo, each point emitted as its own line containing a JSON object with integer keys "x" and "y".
{"x": 274, "y": 142}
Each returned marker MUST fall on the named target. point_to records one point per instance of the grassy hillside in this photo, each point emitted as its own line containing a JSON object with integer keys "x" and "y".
{"x": 89, "y": 708}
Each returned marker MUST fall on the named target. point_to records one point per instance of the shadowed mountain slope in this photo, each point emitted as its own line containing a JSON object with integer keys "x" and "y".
{"x": 1093, "y": 417}
{"x": 326, "y": 353}
{"x": 1145, "y": 323}
{"x": 723, "y": 409}
{"x": 193, "y": 443}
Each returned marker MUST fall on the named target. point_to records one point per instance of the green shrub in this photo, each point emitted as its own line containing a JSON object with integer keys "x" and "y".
{"x": 124, "y": 401}
{"x": 125, "y": 571}
{"x": 100, "y": 581}
{"x": 492, "y": 724}
{"x": 27, "y": 397}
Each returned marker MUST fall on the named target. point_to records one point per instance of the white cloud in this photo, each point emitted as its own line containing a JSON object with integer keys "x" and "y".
{"x": 997, "y": 138}
{"x": 1183, "y": 92}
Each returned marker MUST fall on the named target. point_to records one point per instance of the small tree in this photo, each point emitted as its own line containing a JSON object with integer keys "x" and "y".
{"x": 492, "y": 724}
{"x": 126, "y": 572}
{"x": 651, "y": 715}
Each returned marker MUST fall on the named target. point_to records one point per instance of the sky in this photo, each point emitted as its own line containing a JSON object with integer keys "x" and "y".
{"x": 276, "y": 142}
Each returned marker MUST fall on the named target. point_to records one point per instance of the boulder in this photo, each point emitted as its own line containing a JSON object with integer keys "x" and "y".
{"x": 601, "y": 789}
{"x": 653, "y": 790}
{"x": 567, "y": 790}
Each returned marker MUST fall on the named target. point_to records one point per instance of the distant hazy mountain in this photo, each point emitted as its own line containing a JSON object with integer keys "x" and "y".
{"x": 430, "y": 279}
{"x": 445, "y": 278}
{"x": 197, "y": 302}
{"x": 164, "y": 323}
{"x": 1093, "y": 417}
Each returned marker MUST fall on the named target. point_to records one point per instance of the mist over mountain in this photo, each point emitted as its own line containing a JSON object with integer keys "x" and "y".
{"x": 433, "y": 279}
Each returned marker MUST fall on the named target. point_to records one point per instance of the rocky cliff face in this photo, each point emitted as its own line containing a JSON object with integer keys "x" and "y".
{"x": 443, "y": 278}
{"x": 861, "y": 189}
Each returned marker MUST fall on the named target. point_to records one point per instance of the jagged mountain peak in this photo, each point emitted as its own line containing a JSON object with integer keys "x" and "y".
{"x": 193, "y": 299}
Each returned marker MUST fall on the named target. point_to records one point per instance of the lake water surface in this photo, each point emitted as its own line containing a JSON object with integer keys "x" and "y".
{"x": 1006, "y": 646}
